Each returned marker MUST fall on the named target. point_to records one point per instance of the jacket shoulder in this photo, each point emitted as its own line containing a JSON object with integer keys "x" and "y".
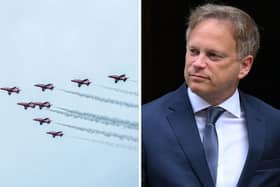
{"x": 157, "y": 110}
{"x": 262, "y": 106}
{"x": 157, "y": 104}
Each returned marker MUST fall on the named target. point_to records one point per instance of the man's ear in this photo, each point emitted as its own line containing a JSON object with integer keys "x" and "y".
{"x": 245, "y": 66}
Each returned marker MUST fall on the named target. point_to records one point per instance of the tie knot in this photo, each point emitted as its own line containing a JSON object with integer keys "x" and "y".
{"x": 213, "y": 113}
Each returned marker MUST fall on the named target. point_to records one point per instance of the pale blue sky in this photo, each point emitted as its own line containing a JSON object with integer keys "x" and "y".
{"x": 54, "y": 41}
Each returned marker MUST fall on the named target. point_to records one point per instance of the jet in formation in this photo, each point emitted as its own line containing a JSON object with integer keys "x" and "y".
{"x": 55, "y": 133}
{"x": 80, "y": 82}
{"x": 42, "y": 104}
{"x": 49, "y": 86}
{"x": 42, "y": 120}
{"x": 27, "y": 105}
{"x": 117, "y": 78}
{"x": 11, "y": 90}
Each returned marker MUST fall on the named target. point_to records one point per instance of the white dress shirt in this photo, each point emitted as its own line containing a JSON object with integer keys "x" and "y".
{"x": 232, "y": 137}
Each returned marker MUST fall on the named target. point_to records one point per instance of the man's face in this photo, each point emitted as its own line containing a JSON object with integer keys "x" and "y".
{"x": 212, "y": 69}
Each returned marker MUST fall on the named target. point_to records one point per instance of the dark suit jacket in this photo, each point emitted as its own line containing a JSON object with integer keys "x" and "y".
{"x": 173, "y": 155}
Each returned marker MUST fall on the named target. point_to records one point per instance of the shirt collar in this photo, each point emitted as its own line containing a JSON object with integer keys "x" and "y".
{"x": 232, "y": 104}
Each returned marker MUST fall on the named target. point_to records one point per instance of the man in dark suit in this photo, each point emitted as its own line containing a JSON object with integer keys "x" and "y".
{"x": 209, "y": 133}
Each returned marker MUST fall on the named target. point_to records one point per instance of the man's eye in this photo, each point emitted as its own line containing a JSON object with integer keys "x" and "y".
{"x": 214, "y": 56}
{"x": 194, "y": 52}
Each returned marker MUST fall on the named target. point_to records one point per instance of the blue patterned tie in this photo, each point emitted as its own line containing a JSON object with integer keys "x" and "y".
{"x": 210, "y": 139}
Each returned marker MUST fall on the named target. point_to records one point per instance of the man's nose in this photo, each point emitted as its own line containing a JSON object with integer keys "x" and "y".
{"x": 200, "y": 61}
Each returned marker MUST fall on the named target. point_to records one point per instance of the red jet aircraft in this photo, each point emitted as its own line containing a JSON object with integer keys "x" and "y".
{"x": 26, "y": 105}
{"x": 118, "y": 77}
{"x": 49, "y": 86}
{"x": 55, "y": 133}
{"x": 42, "y": 104}
{"x": 42, "y": 120}
{"x": 10, "y": 90}
{"x": 81, "y": 81}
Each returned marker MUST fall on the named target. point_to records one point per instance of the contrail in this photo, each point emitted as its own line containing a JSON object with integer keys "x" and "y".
{"x": 104, "y": 100}
{"x": 133, "y": 148}
{"x": 94, "y": 131}
{"x": 117, "y": 90}
{"x": 95, "y": 117}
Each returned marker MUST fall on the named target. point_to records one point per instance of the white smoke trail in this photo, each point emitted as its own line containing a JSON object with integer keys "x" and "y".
{"x": 131, "y": 80}
{"x": 132, "y": 148}
{"x": 104, "y": 100}
{"x": 96, "y": 118}
{"x": 105, "y": 133}
{"x": 117, "y": 90}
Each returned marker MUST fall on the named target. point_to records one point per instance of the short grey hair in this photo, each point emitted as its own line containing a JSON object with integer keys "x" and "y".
{"x": 245, "y": 29}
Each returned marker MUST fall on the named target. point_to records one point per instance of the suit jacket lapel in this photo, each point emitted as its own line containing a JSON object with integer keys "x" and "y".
{"x": 256, "y": 136}
{"x": 183, "y": 123}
